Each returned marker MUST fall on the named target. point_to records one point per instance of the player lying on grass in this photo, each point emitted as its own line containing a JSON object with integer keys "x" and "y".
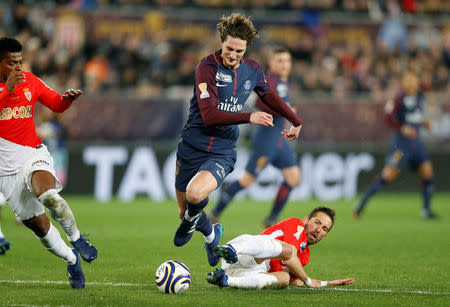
{"x": 276, "y": 256}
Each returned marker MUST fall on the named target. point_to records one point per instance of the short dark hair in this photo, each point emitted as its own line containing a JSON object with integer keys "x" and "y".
{"x": 328, "y": 211}
{"x": 238, "y": 26}
{"x": 9, "y": 44}
{"x": 280, "y": 49}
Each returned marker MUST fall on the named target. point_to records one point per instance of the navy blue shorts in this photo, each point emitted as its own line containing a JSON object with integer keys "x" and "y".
{"x": 190, "y": 161}
{"x": 276, "y": 152}
{"x": 406, "y": 150}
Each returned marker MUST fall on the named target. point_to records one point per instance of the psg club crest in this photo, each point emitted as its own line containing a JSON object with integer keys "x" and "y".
{"x": 27, "y": 93}
{"x": 247, "y": 85}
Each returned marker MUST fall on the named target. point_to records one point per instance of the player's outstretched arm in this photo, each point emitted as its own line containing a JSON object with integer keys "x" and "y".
{"x": 71, "y": 95}
{"x": 337, "y": 282}
{"x": 295, "y": 267}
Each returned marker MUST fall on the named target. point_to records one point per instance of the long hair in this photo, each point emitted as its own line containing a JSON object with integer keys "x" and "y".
{"x": 238, "y": 26}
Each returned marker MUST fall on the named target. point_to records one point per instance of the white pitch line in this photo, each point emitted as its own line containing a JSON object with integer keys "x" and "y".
{"x": 121, "y": 284}
{"x": 380, "y": 291}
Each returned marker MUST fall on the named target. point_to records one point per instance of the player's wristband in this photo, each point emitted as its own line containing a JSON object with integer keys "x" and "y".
{"x": 308, "y": 282}
{"x": 323, "y": 283}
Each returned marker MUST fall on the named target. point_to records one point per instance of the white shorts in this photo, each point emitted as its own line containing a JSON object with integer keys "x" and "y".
{"x": 246, "y": 264}
{"x": 18, "y": 190}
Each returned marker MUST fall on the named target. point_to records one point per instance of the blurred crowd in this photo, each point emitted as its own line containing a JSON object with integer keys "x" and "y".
{"x": 410, "y": 6}
{"x": 153, "y": 65}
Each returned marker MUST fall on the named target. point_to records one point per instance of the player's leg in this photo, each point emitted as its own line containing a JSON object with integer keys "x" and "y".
{"x": 210, "y": 173}
{"x": 395, "y": 159}
{"x": 47, "y": 192}
{"x": 49, "y": 236}
{"x": 248, "y": 273}
{"x": 31, "y": 213}
{"x": 228, "y": 194}
{"x": 387, "y": 175}
{"x": 197, "y": 192}
{"x": 426, "y": 174}
{"x": 212, "y": 233}
{"x": 257, "y": 280}
{"x": 284, "y": 159}
{"x": 259, "y": 247}
{"x": 291, "y": 177}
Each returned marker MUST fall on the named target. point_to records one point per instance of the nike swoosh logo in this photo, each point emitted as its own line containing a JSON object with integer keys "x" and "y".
{"x": 221, "y": 85}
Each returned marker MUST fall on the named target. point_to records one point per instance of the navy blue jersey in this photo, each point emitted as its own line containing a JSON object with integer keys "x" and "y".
{"x": 405, "y": 110}
{"x": 282, "y": 90}
{"x": 226, "y": 90}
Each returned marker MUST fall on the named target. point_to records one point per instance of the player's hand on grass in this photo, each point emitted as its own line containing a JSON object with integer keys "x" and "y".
{"x": 261, "y": 118}
{"x": 314, "y": 283}
{"x": 409, "y": 131}
{"x": 72, "y": 94}
{"x": 14, "y": 78}
{"x": 341, "y": 282}
{"x": 292, "y": 133}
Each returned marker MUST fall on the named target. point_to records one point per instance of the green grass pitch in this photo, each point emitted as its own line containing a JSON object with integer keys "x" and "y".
{"x": 390, "y": 249}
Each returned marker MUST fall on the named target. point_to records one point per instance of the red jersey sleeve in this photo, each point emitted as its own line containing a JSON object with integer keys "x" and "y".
{"x": 275, "y": 103}
{"x": 391, "y": 109}
{"x": 50, "y": 98}
{"x": 208, "y": 99}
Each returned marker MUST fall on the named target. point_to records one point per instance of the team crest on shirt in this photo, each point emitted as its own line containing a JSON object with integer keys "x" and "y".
{"x": 302, "y": 246}
{"x": 204, "y": 93}
{"x": 247, "y": 85}
{"x": 1, "y": 89}
{"x": 27, "y": 93}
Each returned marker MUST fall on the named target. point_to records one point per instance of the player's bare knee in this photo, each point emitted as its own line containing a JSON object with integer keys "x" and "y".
{"x": 38, "y": 191}
{"x": 194, "y": 195}
{"x": 293, "y": 181}
{"x": 292, "y": 176}
{"x": 389, "y": 174}
{"x": 247, "y": 180}
{"x": 283, "y": 279}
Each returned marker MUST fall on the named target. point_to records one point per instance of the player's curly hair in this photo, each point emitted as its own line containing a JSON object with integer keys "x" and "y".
{"x": 7, "y": 45}
{"x": 238, "y": 26}
{"x": 328, "y": 211}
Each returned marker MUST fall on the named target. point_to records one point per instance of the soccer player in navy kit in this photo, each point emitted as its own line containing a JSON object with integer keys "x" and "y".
{"x": 406, "y": 115}
{"x": 268, "y": 146}
{"x": 207, "y": 152}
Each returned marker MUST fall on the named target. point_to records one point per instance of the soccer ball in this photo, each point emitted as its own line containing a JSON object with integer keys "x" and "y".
{"x": 173, "y": 277}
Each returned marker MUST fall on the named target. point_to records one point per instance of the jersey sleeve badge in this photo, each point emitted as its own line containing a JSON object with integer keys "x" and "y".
{"x": 204, "y": 92}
